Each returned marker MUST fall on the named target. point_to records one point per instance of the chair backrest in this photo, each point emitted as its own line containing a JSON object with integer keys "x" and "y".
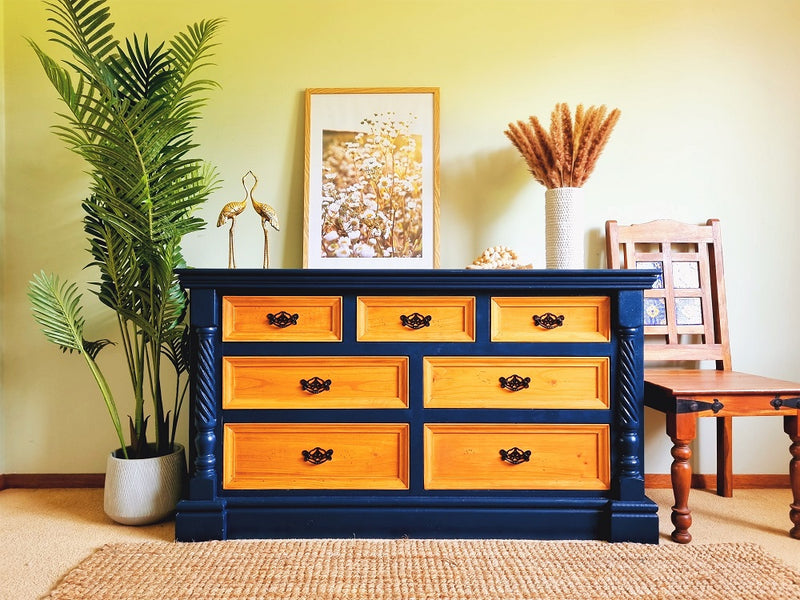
{"x": 686, "y": 307}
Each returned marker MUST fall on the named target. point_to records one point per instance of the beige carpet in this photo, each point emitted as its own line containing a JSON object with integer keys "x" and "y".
{"x": 45, "y": 533}
{"x": 427, "y": 569}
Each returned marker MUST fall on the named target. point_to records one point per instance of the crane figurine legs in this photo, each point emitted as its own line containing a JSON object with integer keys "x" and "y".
{"x": 231, "y": 253}
{"x": 266, "y": 245}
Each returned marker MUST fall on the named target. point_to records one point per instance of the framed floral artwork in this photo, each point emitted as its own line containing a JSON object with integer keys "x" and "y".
{"x": 371, "y": 178}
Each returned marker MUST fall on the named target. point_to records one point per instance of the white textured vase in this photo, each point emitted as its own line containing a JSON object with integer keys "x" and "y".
{"x": 563, "y": 232}
{"x": 143, "y": 490}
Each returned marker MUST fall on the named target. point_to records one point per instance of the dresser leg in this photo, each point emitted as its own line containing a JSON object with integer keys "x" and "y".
{"x": 682, "y": 429}
{"x": 792, "y": 427}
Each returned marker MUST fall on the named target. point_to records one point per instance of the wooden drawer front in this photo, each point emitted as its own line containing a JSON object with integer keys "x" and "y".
{"x": 552, "y": 382}
{"x": 427, "y": 319}
{"x": 351, "y": 382}
{"x": 281, "y": 319}
{"x": 560, "y": 319}
{"x": 337, "y": 456}
{"x": 574, "y": 457}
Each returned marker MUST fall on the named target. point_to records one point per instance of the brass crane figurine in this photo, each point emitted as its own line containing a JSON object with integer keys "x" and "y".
{"x": 268, "y": 215}
{"x": 229, "y": 212}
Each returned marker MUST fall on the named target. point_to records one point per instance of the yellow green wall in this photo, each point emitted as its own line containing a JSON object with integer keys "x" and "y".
{"x": 3, "y": 249}
{"x": 709, "y": 93}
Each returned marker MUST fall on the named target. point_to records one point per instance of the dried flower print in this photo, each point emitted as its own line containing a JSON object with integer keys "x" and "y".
{"x": 372, "y": 190}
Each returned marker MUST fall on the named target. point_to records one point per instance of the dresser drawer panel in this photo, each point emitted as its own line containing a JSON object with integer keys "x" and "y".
{"x": 499, "y": 456}
{"x": 256, "y": 382}
{"x": 281, "y": 319}
{"x": 551, "y": 319}
{"x": 516, "y": 382}
{"x": 315, "y": 456}
{"x": 416, "y": 319}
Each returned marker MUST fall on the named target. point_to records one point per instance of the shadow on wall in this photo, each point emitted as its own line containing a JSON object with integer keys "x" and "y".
{"x": 595, "y": 249}
{"x": 479, "y": 189}
{"x": 295, "y": 213}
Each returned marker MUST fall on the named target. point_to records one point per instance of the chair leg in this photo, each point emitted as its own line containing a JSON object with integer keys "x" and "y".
{"x": 682, "y": 429}
{"x": 792, "y": 427}
{"x": 725, "y": 456}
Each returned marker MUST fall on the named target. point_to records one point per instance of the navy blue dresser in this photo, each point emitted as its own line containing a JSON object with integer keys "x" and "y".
{"x": 435, "y": 403}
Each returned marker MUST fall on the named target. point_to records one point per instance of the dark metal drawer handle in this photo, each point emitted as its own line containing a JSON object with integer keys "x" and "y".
{"x": 548, "y": 320}
{"x": 282, "y": 319}
{"x": 515, "y": 455}
{"x": 515, "y": 383}
{"x": 415, "y": 320}
{"x": 315, "y": 385}
{"x": 317, "y": 456}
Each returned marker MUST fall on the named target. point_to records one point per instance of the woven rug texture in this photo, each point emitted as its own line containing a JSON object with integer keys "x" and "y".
{"x": 427, "y": 570}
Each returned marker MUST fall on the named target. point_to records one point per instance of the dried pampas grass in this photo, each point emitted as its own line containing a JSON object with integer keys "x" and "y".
{"x": 566, "y": 155}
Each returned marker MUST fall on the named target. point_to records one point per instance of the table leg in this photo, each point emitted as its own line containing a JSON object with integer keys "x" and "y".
{"x": 682, "y": 429}
{"x": 725, "y": 456}
{"x": 792, "y": 427}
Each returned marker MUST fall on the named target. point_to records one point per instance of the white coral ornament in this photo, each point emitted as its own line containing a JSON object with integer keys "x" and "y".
{"x": 498, "y": 257}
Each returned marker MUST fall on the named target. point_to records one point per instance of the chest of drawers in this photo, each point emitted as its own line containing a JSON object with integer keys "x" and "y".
{"x": 430, "y": 403}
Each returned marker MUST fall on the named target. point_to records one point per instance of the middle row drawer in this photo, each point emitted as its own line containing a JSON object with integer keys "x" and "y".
{"x": 341, "y": 382}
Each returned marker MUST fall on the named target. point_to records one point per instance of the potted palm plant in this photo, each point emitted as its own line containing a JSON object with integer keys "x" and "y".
{"x": 130, "y": 114}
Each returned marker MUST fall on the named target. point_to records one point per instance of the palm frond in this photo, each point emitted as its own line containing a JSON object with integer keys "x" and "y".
{"x": 84, "y": 28}
{"x": 56, "y": 307}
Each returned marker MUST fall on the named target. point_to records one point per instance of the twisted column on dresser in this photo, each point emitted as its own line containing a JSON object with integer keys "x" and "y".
{"x": 205, "y": 419}
{"x": 629, "y": 479}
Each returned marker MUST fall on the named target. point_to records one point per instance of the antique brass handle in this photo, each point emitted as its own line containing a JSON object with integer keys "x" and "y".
{"x": 317, "y": 456}
{"x": 282, "y": 319}
{"x": 548, "y": 320}
{"x": 415, "y": 320}
{"x": 515, "y": 383}
{"x": 315, "y": 385}
{"x": 515, "y": 455}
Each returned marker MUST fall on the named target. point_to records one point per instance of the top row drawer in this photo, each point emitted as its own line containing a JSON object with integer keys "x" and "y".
{"x": 415, "y": 319}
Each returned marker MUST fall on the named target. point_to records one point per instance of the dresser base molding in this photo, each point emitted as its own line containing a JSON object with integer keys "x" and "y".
{"x": 540, "y": 518}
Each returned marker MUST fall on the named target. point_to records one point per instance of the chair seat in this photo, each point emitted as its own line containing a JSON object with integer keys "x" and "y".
{"x": 741, "y": 394}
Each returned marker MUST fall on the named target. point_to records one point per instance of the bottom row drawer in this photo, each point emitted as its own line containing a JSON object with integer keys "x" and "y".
{"x": 376, "y": 456}
{"x": 516, "y": 457}
{"x": 315, "y": 456}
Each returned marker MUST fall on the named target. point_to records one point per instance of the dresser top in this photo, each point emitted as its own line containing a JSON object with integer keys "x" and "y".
{"x": 431, "y": 280}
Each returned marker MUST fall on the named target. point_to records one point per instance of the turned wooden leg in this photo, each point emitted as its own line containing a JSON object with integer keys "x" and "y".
{"x": 792, "y": 426}
{"x": 725, "y": 456}
{"x": 682, "y": 429}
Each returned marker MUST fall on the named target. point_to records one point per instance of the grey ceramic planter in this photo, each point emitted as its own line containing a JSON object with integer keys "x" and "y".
{"x": 145, "y": 490}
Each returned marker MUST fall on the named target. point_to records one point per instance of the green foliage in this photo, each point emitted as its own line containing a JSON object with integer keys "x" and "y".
{"x": 56, "y": 307}
{"x": 130, "y": 114}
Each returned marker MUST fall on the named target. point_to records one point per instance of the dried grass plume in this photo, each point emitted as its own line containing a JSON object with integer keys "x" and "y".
{"x": 566, "y": 155}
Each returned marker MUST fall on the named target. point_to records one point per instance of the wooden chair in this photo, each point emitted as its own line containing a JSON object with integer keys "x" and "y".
{"x": 686, "y": 311}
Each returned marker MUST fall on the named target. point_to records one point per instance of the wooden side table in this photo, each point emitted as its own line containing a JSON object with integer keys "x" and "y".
{"x": 685, "y": 395}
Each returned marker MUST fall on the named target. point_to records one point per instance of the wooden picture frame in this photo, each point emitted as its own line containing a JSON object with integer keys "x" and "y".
{"x": 371, "y": 178}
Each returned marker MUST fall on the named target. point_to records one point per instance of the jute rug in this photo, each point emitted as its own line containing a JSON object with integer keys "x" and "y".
{"x": 427, "y": 570}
